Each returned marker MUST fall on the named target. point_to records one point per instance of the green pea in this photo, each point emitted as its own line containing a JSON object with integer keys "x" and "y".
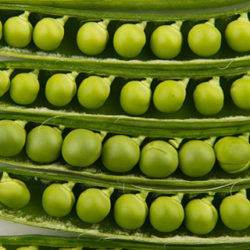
{"x": 94, "y": 91}
{"x": 5, "y": 81}
{"x": 201, "y": 216}
{"x": 92, "y": 37}
{"x": 13, "y": 193}
{"x": 61, "y": 88}
{"x": 81, "y": 147}
{"x": 235, "y": 211}
{"x": 209, "y": 97}
{"x": 44, "y": 144}
{"x": 237, "y": 34}
{"x": 130, "y": 211}
{"x": 58, "y": 199}
{"x": 240, "y": 92}
{"x": 158, "y": 159}
{"x": 135, "y": 97}
{"x": 24, "y": 88}
{"x": 2, "y": 248}
{"x": 170, "y": 95}
{"x": 166, "y": 41}
{"x": 27, "y": 248}
{"x": 166, "y": 214}
{"x": 120, "y": 153}
{"x": 49, "y": 32}
{"x": 129, "y": 40}
{"x": 93, "y": 205}
{"x": 1, "y": 30}
{"x": 197, "y": 158}
{"x": 18, "y": 30}
{"x": 12, "y": 138}
{"x": 204, "y": 39}
{"x": 233, "y": 154}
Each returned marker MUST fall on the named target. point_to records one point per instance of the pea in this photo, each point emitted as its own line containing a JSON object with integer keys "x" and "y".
{"x": 166, "y": 41}
{"x": 201, "y": 216}
{"x": 49, "y": 32}
{"x": 92, "y": 37}
{"x": 170, "y": 95}
{"x": 94, "y": 91}
{"x": 12, "y": 137}
{"x": 129, "y": 39}
{"x": 93, "y": 205}
{"x": 81, "y": 147}
{"x": 44, "y": 144}
{"x": 1, "y": 30}
{"x": 204, "y": 39}
{"x": 24, "y": 88}
{"x": 240, "y": 92}
{"x": 18, "y": 30}
{"x": 5, "y": 81}
{"x": 13, "y": 193}
{"x": 58, "y": 199}
{"x": 135, "y": 97}
{"x": 209, "y": 97}
{"x": 166, "y": 214}
{"x": 158, "y": 159}
{"x": 235, "y": 211}
{"x": 120, "y": 153}
{"x": 237, "y": 34}
{"x": 61, "y": 88}
{"x": 27, "y": 248}
{"x": 233, "y": 154}
{"x": 197, "y": 158}
{"x": 2, "y": 248}
{"x": 130, "y": 211}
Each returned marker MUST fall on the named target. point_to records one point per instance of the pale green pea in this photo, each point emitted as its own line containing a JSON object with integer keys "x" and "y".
{"x": 5, "y": 81}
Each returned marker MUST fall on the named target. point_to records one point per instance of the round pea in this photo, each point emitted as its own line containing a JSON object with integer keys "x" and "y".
{"x": 204, "y": 39}
{"x": 92, "y": 38}
{"x": 129, "y": 40}
{"x": 24, "y": 88}
{"x": 169, "y": 96}
{"x": 130, "y": 211}
{"x": 120, "y": 153}
{"x": 43, "y": 144}
{"x": 240, "y": 92}
{"x": 197, "y": 158}
{"x": 135, "y": 97}
{"x": 166, "y": 214}
{"x": 93, "y": 92}
{"x": 12, "y": 138}
{"x": 233, "y": 154}
{"x": 4, "y": 82}
{"x": 81, "y": 148}
{"x": 158, "y": 159}
{"x": 60, "y": 89}
{"x": 93, "y": 205}
{"x": 166, "y": 42}
{"x": 58, "y": 200}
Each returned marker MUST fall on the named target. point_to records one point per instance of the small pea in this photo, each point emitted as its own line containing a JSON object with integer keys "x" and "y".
{"x": 201, "y": 216}
{"x": 130, "y": 211}
{"x": 166, "y": 41}
{"x": 81, "y": 147}
{"x": 92, "y": 37}
{"x": 209, "y": 97}
{"x": 12, "y": 138}
{"x": 24, "y": 88}
{"x": 135, "y": 97}
{"x": 58, "y": 199}
{"x": 204, "y": 39}
{"x": 18, "y": 30}
{"x": 44, "y": 144}
{"x": 5, "y": 81}
{"x": 129, "y": 40}
{"x": 233, "y": 154}
{"x": 94, "y": 91}
{"x": 60, "y": 89}
{"x": 13, "y": 193}
{"x": 49, "y": 32}
{"x": 93, "y": 205}
{"x": 166, "y": 214}
{"x": 158, "y": 159}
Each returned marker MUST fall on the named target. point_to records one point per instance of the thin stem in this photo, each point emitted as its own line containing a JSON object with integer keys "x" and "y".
{"x": 147, "y": 82}
{"x": 139, "y": 139}
{"x": 8, "y": 72}
{"x": 61, "y": 127}
{"x": 184, "y": 82}
{"x": 63, "y": 20}
{"x": 104, "y": 24}
{"x": 35, "y": 72}
{"x": 21, "y": 123}
{"x": 208, "y": 199}
{"x": 247, "y": 76}
{"x": 5, "y": 177}
{"x": 58, "y": 129}
{"x": 73, "y": 75}
{"x": 175, "y": 142}
{"x": 69, "y": 185}
{"x": 102, "y": 134}
{"x": 177, "y": 25}
{"x": 211, "y": 140}
{"x": 25, "y": 15}
{"x": 142, "y": 25}
{"x": 108, "y": 191}
{"x": 242, "y": 193}
{"x": 243, "y": 17}
{"x": 245, "y": 136}
{"x": 215, "y": 80}
{"x": 211, "y": 21}
{"x": 109, "y": 80}
{"x": 142, "y": 195}
{"x": 178, "y": 197}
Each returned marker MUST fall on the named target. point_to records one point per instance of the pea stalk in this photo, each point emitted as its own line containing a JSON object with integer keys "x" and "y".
{"x": 109, "y": 80}
{"x": 177, "y": 25}
{"x": 142, "y": 195}
{"x": 178, "y": 197}
{"x": 102, "y": 135}
{"x": 108, "y": 191}
{"x": 184, "y": 82}
{"x": 5, "y": 81}
{"x": 211, "y": 21}
{"x": 142, "y": 25}
{"x": 245, "y": 136}
{"x": 62, "y": 20}
{"x": 5, "y": 177}
{"x": 72, "y": 76}
{"x": 21, "y": 123}
{"x": 175, "y": 142}
{"x": 139, "y": 139}
{"x": 242, "y": 193}
{"x": 215, "y": 80}
{"x": 243, "y": 17}
{"x": 35, "y": 73}
{"x": 104, "y": 24}
{"x": 211, "y": 140}
{"x": 25, "y": 16}
{"x": 69, "y": 185}
{"x": 208, "y": 199}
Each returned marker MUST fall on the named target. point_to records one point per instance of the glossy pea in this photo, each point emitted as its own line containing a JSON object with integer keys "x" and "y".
{"x": 5, "y": 81}
{"x": 44, "y": 144}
